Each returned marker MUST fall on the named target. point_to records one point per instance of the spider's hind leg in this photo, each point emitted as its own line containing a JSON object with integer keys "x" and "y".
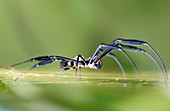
{"x": 116, "y": 59}
{"x": 108, "y": 49}
{"x": 40, "y": 58}
{"x": 44, "y": 59}
{"x": 36, "y": 65}
{"x": 40, "y": 64}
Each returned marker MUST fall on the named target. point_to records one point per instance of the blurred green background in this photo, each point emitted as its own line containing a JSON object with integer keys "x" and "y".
{"x": 30, "y": 28}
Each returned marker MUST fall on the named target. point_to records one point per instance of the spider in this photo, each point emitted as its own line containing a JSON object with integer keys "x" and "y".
{"x": 94, "y": 62}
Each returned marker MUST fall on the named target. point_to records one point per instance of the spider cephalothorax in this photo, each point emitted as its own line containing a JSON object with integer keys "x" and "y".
{"x": 94, "y": 62}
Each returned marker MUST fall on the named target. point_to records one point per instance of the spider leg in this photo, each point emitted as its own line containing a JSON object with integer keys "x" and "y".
{"x": 106, "y": 51}
{"x": 40, "y": 64}
{"x": 136, "y": 49}
{"x": 43, "y": 58}
{"x": 59, "y": 58}
{"x": 109, "y": 49}
{"x": 19, "y": 63}
{"x": 48, "y": 59}
{"x": 138, "y": 42}
{"x": 128, "y": 41}
{"x": 18, "y": 77}
{"x": 40, "y": 58}
{"x": 135, "y": 42}
{"x": 79, "y": 73}
{"x": 95, "y": 53}
{"x": 112, "y": 48}
{"x": 36, "y": 65}
{"x": 79, "y": 56}
{"x": 117, "y": 60}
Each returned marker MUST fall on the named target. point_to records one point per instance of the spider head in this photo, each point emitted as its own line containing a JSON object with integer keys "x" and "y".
{"x": 97, "y": 65}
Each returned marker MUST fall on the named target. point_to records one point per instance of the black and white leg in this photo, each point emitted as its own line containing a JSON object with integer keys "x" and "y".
{"x": 108, "y": 49}
{"x": 40, "y": 64}
{"x": 105, "y": 52}
{"x": 40, "y": 58}
{"x": 45, "y": 59}
{"x": 136, "y": 49}
{"x": 77, "y": 63}
{"x": 134, "y": 42}
{"x": 49, "y": 59}
{"x": 111, "y": 48}
{"x": 36, "y": 65}
{"x": 117, "y": 60}
{"x": 132, "y": 48}
{"x": 138, "y": 42}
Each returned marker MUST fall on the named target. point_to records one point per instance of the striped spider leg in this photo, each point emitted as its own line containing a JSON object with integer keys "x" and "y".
{"x": 115, "y": 45}
{"x": 46, "y": 60}
{"x": 65, "y": 63}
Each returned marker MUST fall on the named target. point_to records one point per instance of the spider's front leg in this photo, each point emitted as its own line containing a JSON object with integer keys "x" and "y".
{"x": 106, "y": 51}
{"x": 136, "y": 49}
{"x": 138, "y": 42}
{"x": 118, "y": 62}
{"x": 130, "y": 47}
{"x": 120, "y": 47}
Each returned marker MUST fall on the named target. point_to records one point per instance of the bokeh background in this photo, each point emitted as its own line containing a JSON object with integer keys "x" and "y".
{"x": 30, "y": 28}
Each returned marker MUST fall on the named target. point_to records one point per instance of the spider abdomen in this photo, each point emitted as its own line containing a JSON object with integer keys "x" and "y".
{"x": 65, "y": 65}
